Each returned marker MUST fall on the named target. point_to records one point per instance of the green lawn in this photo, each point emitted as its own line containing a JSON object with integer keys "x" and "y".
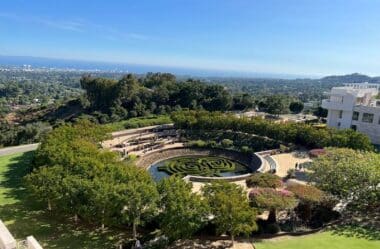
{"x": 24, "y": 219}
{"x": 324, "y": 240}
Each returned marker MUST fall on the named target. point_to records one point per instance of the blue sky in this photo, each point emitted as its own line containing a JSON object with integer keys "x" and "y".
{"x": 301, "y": 37}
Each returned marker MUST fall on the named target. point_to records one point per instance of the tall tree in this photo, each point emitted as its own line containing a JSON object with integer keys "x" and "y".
{"x": 182, "y": 212}
{"x": 276, "y": 104}
{"x": 230, "y": 208}
{"x": 308, "y": 196}
{"x": 45, "y": 183}
{"x": 296, "y": 107}
{"x": 138, "y": 197}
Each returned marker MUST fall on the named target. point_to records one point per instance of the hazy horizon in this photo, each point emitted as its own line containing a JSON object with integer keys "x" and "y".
{"x": 244, "y": 38}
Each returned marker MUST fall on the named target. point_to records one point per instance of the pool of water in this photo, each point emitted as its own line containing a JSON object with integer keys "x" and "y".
{"x": 197, "y": 165}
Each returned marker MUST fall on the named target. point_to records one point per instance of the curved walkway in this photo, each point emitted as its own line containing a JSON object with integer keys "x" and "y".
{"x": 18, "y": 149}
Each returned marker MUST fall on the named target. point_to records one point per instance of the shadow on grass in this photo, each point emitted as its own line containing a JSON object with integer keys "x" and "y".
{"x": 52, "y": 230}
{"x": 356, "y": 231}
{"x": 18, "y": 167}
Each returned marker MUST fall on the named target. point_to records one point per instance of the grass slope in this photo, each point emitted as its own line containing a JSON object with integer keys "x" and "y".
{"x": 24, "y": 218}
{"x": 326, "y": 240}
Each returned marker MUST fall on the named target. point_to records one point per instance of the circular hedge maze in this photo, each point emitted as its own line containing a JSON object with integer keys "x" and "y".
{"x": 199, "y": 166}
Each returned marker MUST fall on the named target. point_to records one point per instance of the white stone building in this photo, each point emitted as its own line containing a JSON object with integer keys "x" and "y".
{"x": 355, "y": 106}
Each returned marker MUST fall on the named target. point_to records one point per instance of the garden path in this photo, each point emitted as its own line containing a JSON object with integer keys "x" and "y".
{"x": 287, "y": 161}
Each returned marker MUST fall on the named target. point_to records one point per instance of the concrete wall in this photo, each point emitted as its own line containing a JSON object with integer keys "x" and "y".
{"x": 370, "y": 129}
{"x": 348, "y": 100}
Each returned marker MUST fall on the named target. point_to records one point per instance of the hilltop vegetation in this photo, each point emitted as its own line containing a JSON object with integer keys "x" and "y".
{"x": 292, "y": 133}
{"x": 31, "y": 103}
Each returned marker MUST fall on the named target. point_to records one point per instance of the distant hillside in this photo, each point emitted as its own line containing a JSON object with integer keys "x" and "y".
{"x": 350, "y": 78}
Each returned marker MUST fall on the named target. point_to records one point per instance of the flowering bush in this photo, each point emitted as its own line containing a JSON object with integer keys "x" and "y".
{"x": 317, "y": 152}
{"x": 306, "y": 193}
{"x": 272, "y": 200}
{"x": 268, "y": 198}
{"x": 264, "y": 180}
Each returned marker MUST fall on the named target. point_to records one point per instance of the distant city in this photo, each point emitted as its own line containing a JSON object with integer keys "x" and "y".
{"x": 32, "y": 63}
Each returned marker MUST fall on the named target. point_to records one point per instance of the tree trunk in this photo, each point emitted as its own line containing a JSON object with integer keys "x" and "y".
{"x": 134, "y": 230}
{"x": 103, "y": 219}
{"x": 49, "y": 205}
{"x": 75, "y": 218}
{"x": 272, "y": 216}
{"x": 232, "y": 240}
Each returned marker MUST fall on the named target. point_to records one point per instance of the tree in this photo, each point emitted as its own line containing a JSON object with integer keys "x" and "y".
{"x": 308, "y": 197}
{"x": 297, "y": 133}
{"x": 104, "y": 195}
{"x": 242, "y": 101}
{"x": 182, "y": 212}
{"x": 45, "y": 184}
{"x": 216, "y": 98}
{"x": 352, "y": 176}
{"x": 138, "y": 197}
{"x": 296, "y": 107}
{"x": 76, "y": 196}
{"x": 320, "y": 112}
{"x": 230, "y": 208}
{"x": 101, "y": 92}
{"x": 57, "y": 146}
{"x": 276, "y": 104}
{"x": 264, "y": 180}
{"x": 272, "y": 200}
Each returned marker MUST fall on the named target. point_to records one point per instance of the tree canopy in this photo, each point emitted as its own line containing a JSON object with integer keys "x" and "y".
{"x": 264, "y": 180}
{"x": 75, "y": 176}
{"x": 353, "y": 176}
{"x": 155, "y": 93}
{"x": 296, "y": 107}
{"x": 272, "y": 200}
{"x": 230, "y": 208}
{"x": 296, "y": 133}
{"x": 182, "y": 212}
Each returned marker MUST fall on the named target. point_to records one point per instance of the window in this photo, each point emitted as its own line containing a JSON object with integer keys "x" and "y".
{"x": 338, "y": 124}
{"x": 354, "y": 127}
{"x": 367, "y": 117}
{"x": 355, "y": 116}
{"x": 340, "y": 114}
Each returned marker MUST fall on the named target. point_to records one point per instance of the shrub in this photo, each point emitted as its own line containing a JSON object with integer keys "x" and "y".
{"x": 264, "y": 180}
{"x": 202, "y": 166}
{"x": 272, "y": 228}
{"x": 317, "y": 152}
{"x": 131, "y": 157}
{"x": 284, "y": 148}
{"x": 245, "y": 149}
{"x": 212, "y": 144}
{"x": 291, "y": 174}
{"x": 227, "y": 143}
{"x": 197, "y": 143}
